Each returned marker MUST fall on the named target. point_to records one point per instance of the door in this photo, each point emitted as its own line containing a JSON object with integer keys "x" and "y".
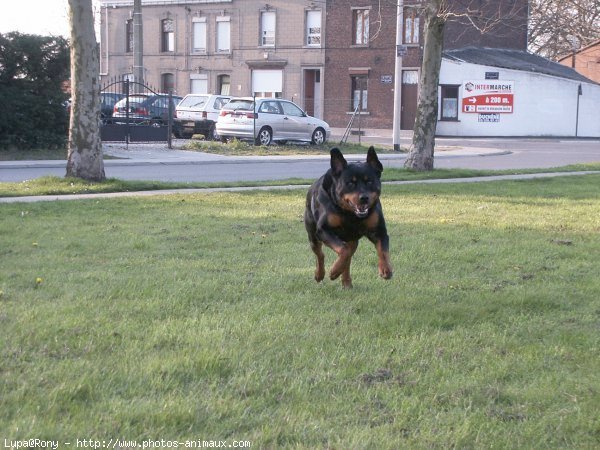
{"x": 410, "y": 92}
{"x": 295, "y": 124}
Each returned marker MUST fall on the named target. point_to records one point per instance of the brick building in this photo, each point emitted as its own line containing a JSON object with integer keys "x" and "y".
{"x": 328, "y": 56}
{"x": 586, "y": 61}
{"x": 360, "y": 56}
{"x": 236, "y": 47}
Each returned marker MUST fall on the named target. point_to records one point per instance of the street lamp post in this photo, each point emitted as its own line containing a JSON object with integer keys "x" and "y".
{"x": 398, "y": 77}
{"x": 138, "y": 46}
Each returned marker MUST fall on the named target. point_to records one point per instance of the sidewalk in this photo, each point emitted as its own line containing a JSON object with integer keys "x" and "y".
{"x": 52, "y": 198}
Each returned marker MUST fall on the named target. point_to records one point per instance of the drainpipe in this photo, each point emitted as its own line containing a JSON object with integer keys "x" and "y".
{"x": 579, "y": 93}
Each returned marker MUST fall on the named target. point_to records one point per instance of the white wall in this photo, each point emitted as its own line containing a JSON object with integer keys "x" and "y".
{"x": 544, "y": 105}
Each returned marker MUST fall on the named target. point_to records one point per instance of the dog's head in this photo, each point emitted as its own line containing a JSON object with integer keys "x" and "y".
{"x": 357, "y": 185}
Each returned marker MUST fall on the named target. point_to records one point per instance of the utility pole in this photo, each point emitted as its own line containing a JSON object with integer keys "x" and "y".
{"x": 138, "y": 47}
{"x": 398, "y": 76}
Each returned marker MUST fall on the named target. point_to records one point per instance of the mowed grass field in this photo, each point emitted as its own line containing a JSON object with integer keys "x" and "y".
{"x": 197, "y": 317}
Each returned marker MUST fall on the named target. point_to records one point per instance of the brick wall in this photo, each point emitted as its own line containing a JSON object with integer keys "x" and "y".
{"x": 379, "y": 56}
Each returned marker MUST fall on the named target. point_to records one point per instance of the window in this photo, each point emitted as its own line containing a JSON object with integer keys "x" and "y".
{"x": 270, "y": 108}
{"x": 224, "y": 84}
{"x": 223, "y": 35}
{"x": 267, "y": 28}
{"x": 267, "y": 83}
{"x": 449, "y": 103}
{"x": 313, "y": 28}
{"x": 199, "y": 35}
{"x": 359, "y": 92}
{"x": 168, "y": 35}
{"x": 411, "y": 26}
{"x": 220, "y": 102}
{"x": 360, "y": 25}
{"x": 289, "y": 109}
{"x": 167, "y": 82}
{"x": 129, "y": 36}
{"x": 198, "y": 83}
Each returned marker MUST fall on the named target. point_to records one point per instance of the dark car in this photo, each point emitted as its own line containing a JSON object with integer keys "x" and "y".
{"x": 145, "y": 109}
{"x": 107, "y": 104}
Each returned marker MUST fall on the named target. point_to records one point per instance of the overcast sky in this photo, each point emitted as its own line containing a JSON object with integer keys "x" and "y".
{"x": 43, "y": 17}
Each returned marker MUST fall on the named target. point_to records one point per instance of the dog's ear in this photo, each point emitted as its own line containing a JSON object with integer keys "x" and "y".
{"x": 373, "y": 160}
{"x": 338, "y": 162}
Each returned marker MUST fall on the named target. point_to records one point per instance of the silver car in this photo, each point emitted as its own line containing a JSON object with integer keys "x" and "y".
{"x": 269, "y": 120}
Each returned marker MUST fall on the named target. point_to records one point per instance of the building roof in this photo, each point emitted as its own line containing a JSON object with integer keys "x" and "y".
{"x": 515, "y": 60}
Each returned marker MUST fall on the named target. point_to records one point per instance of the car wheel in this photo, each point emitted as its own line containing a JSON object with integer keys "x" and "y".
{"x": 318, "y": 137}
{"x": 212, "y": 134}
{"x": 156, "y": 123}
{"x": 265, "y": 136}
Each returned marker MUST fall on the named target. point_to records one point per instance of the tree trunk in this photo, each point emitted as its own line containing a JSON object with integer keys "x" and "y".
{"x": 85, "y": 148}
{"x": 421, "y": 154}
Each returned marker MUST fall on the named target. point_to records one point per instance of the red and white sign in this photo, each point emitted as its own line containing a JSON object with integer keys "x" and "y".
{"x": 488, "y": 96}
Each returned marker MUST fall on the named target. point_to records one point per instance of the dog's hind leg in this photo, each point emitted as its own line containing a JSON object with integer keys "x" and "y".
{"x": 346, "y": 279}
{"x": 341, "y": 266}
{"x": 317, "y": 248}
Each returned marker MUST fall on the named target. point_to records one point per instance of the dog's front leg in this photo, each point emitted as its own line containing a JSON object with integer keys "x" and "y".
{"x": 385, "y": 267}
{"x": 344, "y": 250}
{"x": 382, "y": 244}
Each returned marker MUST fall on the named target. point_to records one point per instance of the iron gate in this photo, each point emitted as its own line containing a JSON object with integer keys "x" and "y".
{"x": 134, "y": 112}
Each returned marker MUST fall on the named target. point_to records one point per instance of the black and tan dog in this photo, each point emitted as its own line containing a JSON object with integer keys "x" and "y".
{"x": 341, "y": 207}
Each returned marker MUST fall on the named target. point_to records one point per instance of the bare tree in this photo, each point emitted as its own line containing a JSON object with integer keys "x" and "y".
{"x": 85, "y": 148}
{"x": 421, "y": 154}
{"x": 557, "y": 27}
{"x": 484, "y": 17}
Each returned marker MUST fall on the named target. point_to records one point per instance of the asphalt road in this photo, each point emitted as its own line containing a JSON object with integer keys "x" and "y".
{"x": 151, "y": 162}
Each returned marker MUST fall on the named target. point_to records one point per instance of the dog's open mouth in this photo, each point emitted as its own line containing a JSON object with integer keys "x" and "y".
{"x": 361, "y": 211}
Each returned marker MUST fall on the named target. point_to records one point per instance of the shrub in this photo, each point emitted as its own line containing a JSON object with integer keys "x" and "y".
{"x": 33, "y": 70}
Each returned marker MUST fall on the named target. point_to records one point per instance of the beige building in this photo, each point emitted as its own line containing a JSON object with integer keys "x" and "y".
{"x": 235, "y": 47}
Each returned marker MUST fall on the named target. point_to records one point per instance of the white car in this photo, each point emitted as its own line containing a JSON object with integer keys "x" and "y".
{"x": 197, "y": 114}
{"x": 269, "y": 120}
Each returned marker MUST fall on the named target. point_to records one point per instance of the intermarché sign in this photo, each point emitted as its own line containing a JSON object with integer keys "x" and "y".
{"x": 488, "y": 97}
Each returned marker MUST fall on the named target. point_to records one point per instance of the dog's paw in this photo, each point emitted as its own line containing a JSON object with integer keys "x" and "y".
{"x": 385, "y": 272}
{"x": 319, "y": 275}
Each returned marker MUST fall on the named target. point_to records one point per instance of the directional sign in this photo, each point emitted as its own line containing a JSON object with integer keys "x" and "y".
{"x": 488, "y": 96}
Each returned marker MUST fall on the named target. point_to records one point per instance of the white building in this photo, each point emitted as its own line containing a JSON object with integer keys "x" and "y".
{"x": 497, "y": 92}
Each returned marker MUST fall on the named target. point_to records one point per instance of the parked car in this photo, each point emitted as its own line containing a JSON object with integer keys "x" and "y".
{"x": 269, "y": 120}
{"x": 145, "y": 109}
{"x": 107, "y": 105}
{"x": 198, "y": 114}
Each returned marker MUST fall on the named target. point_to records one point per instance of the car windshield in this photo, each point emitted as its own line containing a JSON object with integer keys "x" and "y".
{"x": 194, "y": 101}
{"x": 236, "y": 105}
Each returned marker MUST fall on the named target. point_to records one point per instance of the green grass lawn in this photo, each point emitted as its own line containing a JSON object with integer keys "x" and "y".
{"x": 196, "y": 317}
{"x": 63, "y": 186}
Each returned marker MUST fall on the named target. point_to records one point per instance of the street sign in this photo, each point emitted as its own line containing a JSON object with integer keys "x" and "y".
{"x": 488, "y": 97}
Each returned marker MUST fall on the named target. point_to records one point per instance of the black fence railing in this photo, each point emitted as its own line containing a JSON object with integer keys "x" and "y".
{"x": 135, "y": 112}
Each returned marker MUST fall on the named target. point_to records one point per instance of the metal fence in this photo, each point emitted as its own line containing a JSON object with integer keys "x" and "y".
{"x": 135, "y": 112}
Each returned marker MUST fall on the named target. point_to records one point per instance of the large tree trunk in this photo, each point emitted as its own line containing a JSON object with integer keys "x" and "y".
{"x": 85, "y": 148}
{"x": 421, "y": 154}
